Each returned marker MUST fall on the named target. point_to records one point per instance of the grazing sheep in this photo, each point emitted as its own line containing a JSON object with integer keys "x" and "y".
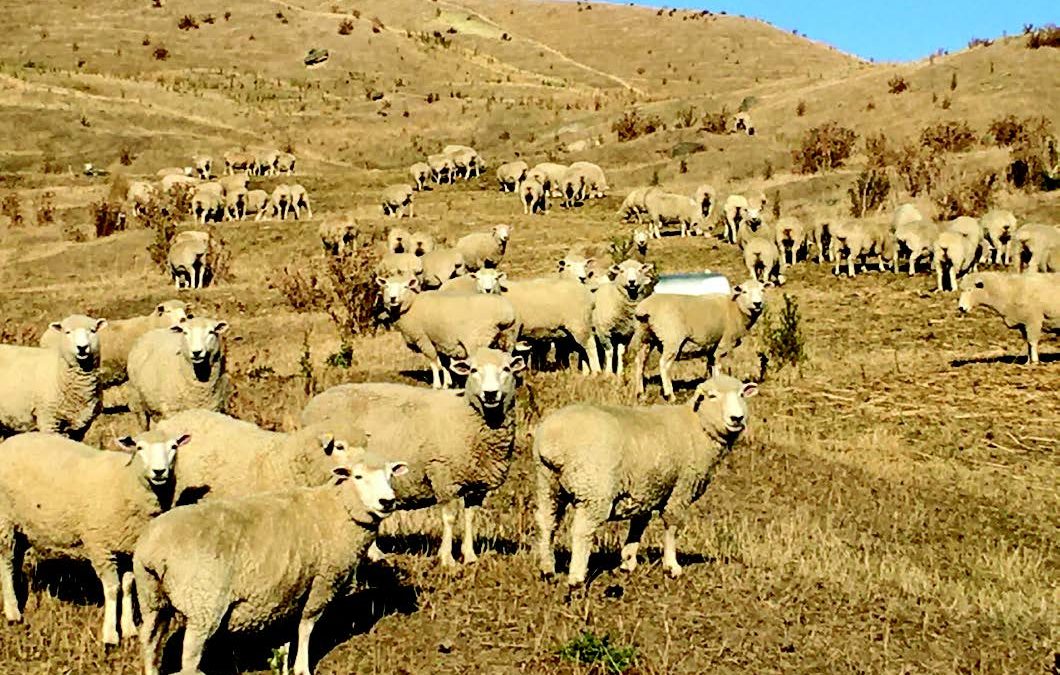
{"x": 904, "y": 215}
{"x": 188, "y": 259}
{"x": 398, "y": 240}
{"x": 954, "y": 256}
{"x": 971, "y": 229}
{"x": 998, "y": 227}
{"x": 138, "y": 195}
{"x": 550, "y": 175}
{"x": 640, "y": 241}
{"x": 484, "y": 249}
{"x": 917, "y": 239}
{"x": 441, "y": 265}
{"x": 406, "y": 264}
{"x": 337, "y": 233}
{"x": 300, "y": 200}
{"x": 285, "y": 163}
{"x": 763, "y": 261}
{"x": 738, "y": 211}
{"x": 1028, "y": 302}
{"x": 464, "y": 161}
{"x": 756, "y": 229}
{"x": 280, "y": 203}
{"x": 742, "y": 122}
{"x": 237, "y": 160}
{"x": 686, "y": 326}
{"x": 790, "y": 239}
{"x": 458, "y": 446}
{"x": 533, "y": 195}
{"x": 665, "y": 208}
{"x": 53, "y": 389}
{"x": 236, "y": 204}
{"x": 706, "y": 197}
{"x": 265, "y": 162}
{"x": 213, "y": 187}
{"x": 207, "y": 205}
{"x": 117, "y": 338}
{"x": 421, "y": 243}
{"x": 634, "y": 207}
{"x": 171, "y": 181}
{"x": 614, "y": 304}
{"x": 625, "y": 462}
{"x": 442, "y": 168}
{"x": 298, "y": 549}
{"x": 178, "y": 368}
{"x": 65, "y": 497}
{"x": 587, "y": 178}
{"x": 858, "y": 240}
{"x": 1035, "y": 244}
{"x": 256, "y": 202}
{"x": 421, "y": 173}
{"x": 511, "y": 174}
{"x": 203, "y": 166}
{"x": 396, "y": 201}
{"x": 442, "y": 326}
{"x": 236, "y": 181}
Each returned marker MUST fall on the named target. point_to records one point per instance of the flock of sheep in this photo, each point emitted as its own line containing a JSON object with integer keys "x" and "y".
{"x": 208, "y": 521}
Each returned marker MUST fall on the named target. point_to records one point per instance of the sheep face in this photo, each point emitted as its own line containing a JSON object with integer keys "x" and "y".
{"x": 397, "y": 292}
{"x": 640, "y": 240}
{"x": 202, "y": 340}
{"x": 750, "y": 297}
{"x": 634, "y": 278}
{"x": 975, "y": 291}
{"x": 370, "y": 479}
{"x": 491, "y": 382}
{"x": 156, "y": 451}
{"x": 489, "y": 281}
{"x": 576, "y": 267}
{"x": 398, "y": 240}
{"x": 502, "y": 233}
{"x": 173, "y": 311}
{"x": 421, "y": 243}
{"x": 721, "y": 405}
{"x": 79, "y": 340}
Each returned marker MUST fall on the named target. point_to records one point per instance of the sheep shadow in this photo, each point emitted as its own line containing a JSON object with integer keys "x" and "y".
{"x": 1008, "y": 359}
{"x": 65, "y": 579}
{"x": 606, "y": 563}
{"x": 428, "y": 545}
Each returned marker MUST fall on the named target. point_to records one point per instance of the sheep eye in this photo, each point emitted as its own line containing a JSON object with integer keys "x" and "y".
{"x": 474, "y": 370}
{"x": 712, "y": 394}
{"x": 358, "y": 476}
{"x": 979, "y": 284}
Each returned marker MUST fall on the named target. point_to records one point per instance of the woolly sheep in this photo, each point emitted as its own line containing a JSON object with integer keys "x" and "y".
{"x": 737, "y": 211}
{"x": 633, "y": 207}
{"x": 550, "y": 175}
{"x": 463, "y": 161}
{"x": 615, "y": 301}
{"x": 442, "y": 326}
{"x": 471, "y": 157}
{"x": 756, "y": 229}
{"x": 206, "y": 205}
{"x": 421, "y": 173}
{"x": 203, "y": 166}
{"x": 69, "y": 498}
{"x": 858, "y": 240}
{"x": 954, "y": 256}
{"x": 640, "y": 241}
{"x": 623, "y": 463}
{"x": 236, "y": 181}
{"x": 442, "y": 168}
{"x": 533, "y": 195}
{"x": 790, "y": 239}
{"x": 280, "y": 203}
{"x": 406, "y": 264}
{"x": 593, "y": 182}
{"x": 396, "y": 201}
{"x": 457, "y": 445}
{"x": 1034, "y": 244}
{"x": 337, "y": 232}
{"x": 685, "y": 326}
{"x": 820, "y": 236}
{"x": 484, "y": 249}
{"x": 188, "y": 259}
{"x": 742, "y": 122}
{"x": 763, "y": 261}
{"x": 236, "y": 204}
{"x": 972, "y": 231}
{"x": 53, "y": 389}
{"x": 904, "y": 215}
{"x": 511, "y": 174}
{"x": 285, "y": 163}
{"x": 256, "y": 202}
{"x": 265, "y": 162}
{"x": 300, "y": 200}
{"x": 1028, "y": 302}
{"x": 398, "y": 240}
{"x": 421, "y": 243}
{"x": 116, "y": 338}
{"x": 236, "y": 160}
{"x": 185, "y": 171}
{"x": 173, "y": 180}
{"x": 178, "y": 368}
{"x": 706, "y": 197}
{"x": 998, "y": 228}
{"x": 917, "y": 239}
{"x": 139, "y": 194}
{"x": 574, "y": 265}
{"x": 666, "y": 208}
{"x": 211, "y": 186}
{"x": 441, "y": 265}
{"x": 298, "y": 550}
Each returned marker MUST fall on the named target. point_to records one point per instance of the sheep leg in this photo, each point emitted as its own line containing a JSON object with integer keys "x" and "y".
{"x": 10, "y": 561}
{"x": 670, "y": 550}
{"x": 467, "y": 542}
{"x": 665, "y": 361}
{"x": 437, "y": 381}
{"x": 587, "y": 517}
{"x": 197, "y": 631}
{"x": 445, "y": 550}
{"x": 850, "y": 263}
{"x": 609, "y": 358}
{"x": 548, "y": 513}
{"x": 107, "y": 571}
{"x": 953, "y": 277}
{"x": 588, "y": 347}
{"x": 1032, "y": 334}
{"x": 309, "y": 210}
{"x": 620, "y": 357}
{"x": 301, "y": 657}
{"x": 127, "y": 624}
{"x": 637, "y": 525}
{"x": 638, "y": 367}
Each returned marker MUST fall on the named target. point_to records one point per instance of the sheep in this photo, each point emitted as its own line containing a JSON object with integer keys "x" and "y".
{"x": 398, "y": 240}
{"x": 442, "y": 168}
{"x": 742, "y": 122}
{"x": 298, "y": 550}
{"x": 463, "y": 161}
{"x": 954, "y": 256}
{"x": 534, "y": 196}
{"x": 706, "y": 197}
{"x": 207, "y": 205}
{"x": 117, "y": 338}
{"x": 188, "y": 260}
{"x": 918, "y": 239}
{"x": 203, "y": 166}
{"x": 235, "y": 181}
{"x": 53, "y": 389}
{"x": 421, "y": 173}
{"x": 972, "y": 231}
{"x": 441, "y": 326}
{"x": 764, "y": 261}
{"x": 484, "y": 249}
{"x": 665, "y": 208}
{"x": 300, "y": 200}
{"x": 998, "y": 227}
{"x": 790, "y": 239}
{"x": 574, "y": 265}
{"x": 236, "y": 160}
{"x": 265, "y": 162}
{"x": 279, "y": 203}
{"x": 821, "y": 237}
{"x": 684, "y": 326}
{"x": 511, "y": 174}
{"x": 1028, "y": 302}
{"x": 185, "y": 171}
{"x": 614, "y": 303}
{"x": 441, "y": 265}
{"x": 421, "y": 243}
{"x": 337, "y": 233}
{"x": 860, "y": 240}
{"x": 178, "y": 368}
{"x": 406, "y": 264}
{"x": 213, "y": 187}
{"x": 256, "y": 202}
{"x": 396, "y": 201}
{"x": 1034, "y": 245}
{"x": 65, "y": 497}
{"x": 171, "y": 181}
{"x": 457, "y": 446}
{"x": 138, "y": 195}
{"x": 285, "y": 163}
{"x": 738, "y": 211}
{"x": 640, "y": 241}
{"x": 633, "y": 207}
{"x": 904, "y": 215}
{"x": 624, "y": 462}
{"x": 550, "y": 175}
{"x": 756, "y": 229}
{"x": 592, "y": 180}
{"x": 236, "y": 204}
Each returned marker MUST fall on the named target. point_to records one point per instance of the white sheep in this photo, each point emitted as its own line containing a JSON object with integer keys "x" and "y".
{"x": 285, "y": 162}
{"x": 549, "y": 174}
{"x": 457, "y": 445}
{"x": 337, "y": 233}
{"x": 207, "y": 205}
{"x": 581, "y": 181}
{"x": 763, "y": 261}
{"x": 917, "y": 239}
{"x": 54, "y": 389}
{"x": 790, "y": 239}
{"x": 640, "y": 241}
{"x": 139, "y": 195}
{"x": 613, "y": 463}
{"x": 575, "y": 265}
{"x": 279, "y": 203}
{"x": 904, "y": 215}
{"x": 236, "y": 204}
{"x": 533, "y": 195}
{"x": 298, "y": 550}
{"x": 396, "y": 201}
{"x": 665, "y": 208}
{"x": 633, "y": 207}
{"x": 188, "y": 259}
{"x": 511, "y": 174}
{"x": 238, "y": 160}
{"x": 300, "y": 200}
{"x": 614, "y": 304}
{"x": 742, "y": 122}
{"x": 484, "y": 249}
{"x": 171, "y": 181}
{"x": 441, "y": 265}
{"x": 859, "y": 240}
{"x": 738, "y": 211}
{"x": 464, "y": 161}
{"x": 1035, "y": 244}
{"x": 954, "y": 256}
{"x": 406, "y": 264}
{"x": 442, "y": 168}
{"x": 65, "y": 497}
{"x": 265, "y": 161}
{"x": 972, "y": 230}
{"x": 686, "y": 326}
{"x": 235, "y": 181}
{"x": 999, "y": 226}
{"x": 1029, "y": 302}
{"x": 203, "y": 166}
{"x": 178, "y": 368}
{"x": 421, "y": 173}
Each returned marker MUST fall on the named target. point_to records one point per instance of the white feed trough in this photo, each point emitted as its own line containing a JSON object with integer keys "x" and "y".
{"x": 693, "y": 283}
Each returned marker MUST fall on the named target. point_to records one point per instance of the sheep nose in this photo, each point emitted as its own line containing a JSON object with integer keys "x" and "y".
{"x": 196, "y": 353}
{"x": 757, "y": 304}
{"x": 489, "y": 396}
{"x": 159, "y": 473}
{"x": 736, "y": 419}
{"x": 387, "y": 504}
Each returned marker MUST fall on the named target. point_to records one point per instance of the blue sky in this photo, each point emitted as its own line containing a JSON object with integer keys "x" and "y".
{"x": 889, "y": 30}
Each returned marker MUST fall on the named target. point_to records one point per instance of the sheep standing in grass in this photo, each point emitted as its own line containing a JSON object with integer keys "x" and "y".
{"x": 614, "y": 305}
{"x": 533, "y": 195}
{"x": 1029, "y": 303}
{"x": 236, "y": 204}
{"x": 464, "y": 160}
{"x": 790, "y": 239}
{"x": 139, "y": 195}
{"x": 484, "y": 249}
{"x": 904, "y": 215}
{"x": 972, "y": 231}
{"x": 53, "y": 389}
{"x": 859, "y": 240}
{"x": 237, "y": 160}
{"x": 665, "y": 208}
{"x": 265, "y": 162}
{"x": 634, "y": 207}
{"x": 421, "y": 174}
{"x": 511, "y": 174}
{"x": 581, "y": 181}
{"x": 206, "y": 205}
{"x": 458, "y": 446}
{"x": 279, "y": 203}
{"x": 550, "y": 175}
{"x": 396, "y": 201}
{"x": 299, "y": 201}
{"x": 640, "y": 241}
{"x": 188, "y": 259}
{"x": 203, "y": 166}
{"x": 742, "y": 122}
{"x": 295, "y": 551}
{"x": 441, "y": 265}
{"x": 737, "y": 211}
{"x": 821, "y": 237}
{"x": 763, "y": 261}
{"x": 685, "y": 326}
{"x": 178, "y": 368}
{"x": 998, "y": 227}
{"x": 337, "y": 233}
{"x": 398, "y": 240}
{"x": 442, "y": 168}
{"x": 285, "y": 162}
{"x": 65, "y": 497}
{"x": 422, "y": 243}
{"x": 624, "y": 463}
{"x": 954, "y": 256}
{"x": 1035, "y": 245}
{"x": 917, "y": 239}
{"x": 168, "y": 183}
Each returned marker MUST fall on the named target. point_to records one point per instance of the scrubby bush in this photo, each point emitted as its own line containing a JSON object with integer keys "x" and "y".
{"x": 918, "y": 169}
{"x": 686, "y": 117}
{"x": 187, "y": 22}
{"x": 634, "y": 125}
{"x": 345, "y": 27}
{"x": 824, "y": 148}
{"x": 107, "y": 217}
{"x": 869, "y": 191}
{"x": 800, "y": 109}
{"x": 126, "y": 155}
{"x": 599, "y": 652}
{"x": 45, "y": 209}
{"x": 979, "y": 42}
{"x": 1046, "y": 36}
{"x": 964, "y": 195}
{"x": 161, "y": 53}
{"x": 951, "y": 136}
{"x": 783, "y": 338}
{"x": 897, "y": 84}
{"x": 165, "y": 229}
{"x": 716, "y": 123}
{"x": 11, "y": 207}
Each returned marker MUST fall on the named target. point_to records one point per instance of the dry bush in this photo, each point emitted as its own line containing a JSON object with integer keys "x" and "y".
{"x": 715, "y": 123}
{"x": 187, "y": 22}
{"x": 800, "y": 109}
{"x": 878, "y": 151}
{"x": 918, "y": 169}
{"x": 126, "y": 155}
{"x": 303, "y": 290}
{"x": 979, "y": 42}
{"x": 686, "y": 117}
{"x": 870, "y": 189}
{"x": 18, "y": 333}
{"x": 45, "y": 209}
{"x": 11, "y": 207}
{"x": 633, "y": 125}
{"x": 345, "y": 27}
{"x": 71, "y": 232}
{"x": 108, "y": 217}
{"x": 947, "y": 137}
{"x": 158, "y": 249}
{"x": 824, "y": 148}
{"x": 897, "y": 84}
{"x": 1046, "y": 36}
{"x": 354, "y": 292}
{"x": 161, "y": 53}
{"x": 218, "y": 256}
{"x": 964, "y": 195}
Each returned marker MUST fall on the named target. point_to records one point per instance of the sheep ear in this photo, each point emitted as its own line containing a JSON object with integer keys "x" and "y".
{"x": 501, "y": 276}
{"x": 749, "y": 389}
{"x": 327, "y": 443}
{"x": 697, "y": 398}
{"x": 736, "y": 291}
{"x": 473, "y": 275}
{"x": 380, "y": 281}
{"x": 56, "y": 326}
{"x": 647, "y": 268}
{"x": 460, "y": 367}
{"x": 183, "y": 440}
{"x": 125, "y": 443}
{"x": 517, "y": 364}
{"x": 613, "y": 271}
{"x": 413, "y": 284}
{"x": 562, "y": 264}
{"x": 399, "y": 469}
{"x": 220, "y": 327}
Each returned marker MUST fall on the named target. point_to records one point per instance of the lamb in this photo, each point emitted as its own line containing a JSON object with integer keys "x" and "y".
{"x": 188, "y": 258}
{"x": 65, "y": 497}
{"x": 171, "y": 181}
{"x": 203, "y": 166}
{"x": 484, "y": 249}
{"x": 742, "y": 122}
{"x": 904, "y": 215}
{"x": 665, "y": 208}
{"x": 624, "y": 462}
{"x": 298, "y": 550}
{"x": 633, "y": 207}
{"x": 918, "y": 239}
{"x": 337, "y": 233}
{"x": 300, "y": 200}
{"x": 790, "y": 239}
{"x": 397, "y": 201}
{"x": 763, "y": 261}
{"x": 280, "y": 202}
{"x": 285, "y": 163}
{"x": 684, "y": 326}
{"x": 441, "y": 265}
{"x": 178, "y": 368}
{"x": 999, "y": 226}
{"x": 406, "y": 264}
{"x": 236, "y": 204}
{"x": 442, "y": 168}
{"x": 533, "y": 195}
{"x": 550, "y": 175}
{"x": 421, "y": 243}
{"x": 1028, "y": 302}
{"x": 858, "y": 240}
{"x": 1034, "y": 245}
{"x": 511, "y": 174}
{"x": 206, "y": 205}
{"x": 457, "y": 446}
{"x": 117, "y": 338}
{"x": 236, "y": 160}
{"x": 440, "y": 325}
{"x": 954, "y": 256}
{"x": 265, "y": 162}
{"x": 421, "y": 173}
{"x": 53, "y": 389}
{"x": 614, "y": 303}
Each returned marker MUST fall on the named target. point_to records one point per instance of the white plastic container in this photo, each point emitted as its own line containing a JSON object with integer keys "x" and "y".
{"x": 693, "y": 283}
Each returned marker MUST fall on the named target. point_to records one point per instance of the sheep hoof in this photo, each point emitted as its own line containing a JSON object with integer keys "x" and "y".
{"x": 675, "y": 571}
